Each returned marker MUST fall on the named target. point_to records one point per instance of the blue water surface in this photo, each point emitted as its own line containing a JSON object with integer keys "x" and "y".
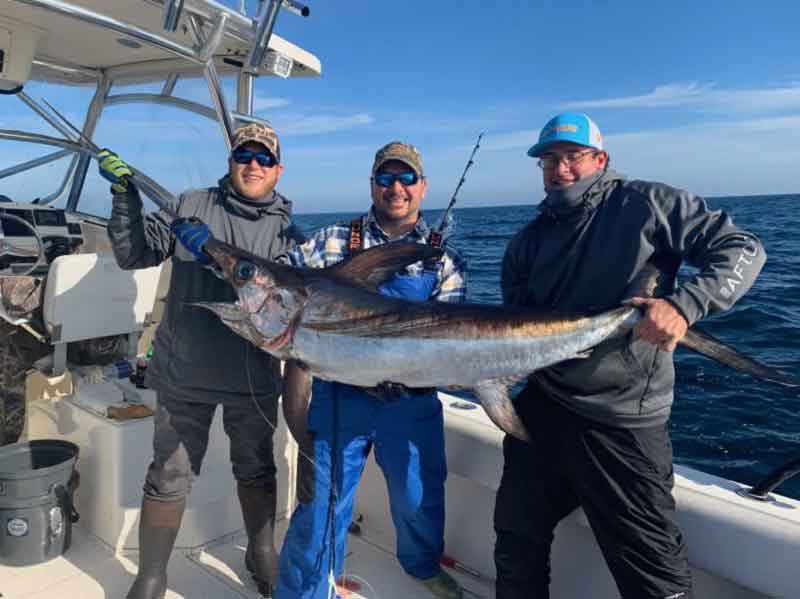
{"x": 723, "y": 422}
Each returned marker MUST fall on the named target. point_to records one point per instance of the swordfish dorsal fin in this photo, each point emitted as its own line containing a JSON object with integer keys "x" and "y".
{"x": 369, "y": 268}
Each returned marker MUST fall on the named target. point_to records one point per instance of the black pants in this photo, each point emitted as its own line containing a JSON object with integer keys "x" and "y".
{"x": 181, "y": 436}
{"x": 622, "y": 478}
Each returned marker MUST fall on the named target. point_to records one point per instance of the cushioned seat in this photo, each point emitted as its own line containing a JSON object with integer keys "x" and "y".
{"x": 89, "y": 296}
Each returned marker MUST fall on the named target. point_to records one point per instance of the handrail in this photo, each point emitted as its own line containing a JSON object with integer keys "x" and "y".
{"x": 182, "y": 104}
{"x": 26, "y": 166}
{"x": 173, "y": 101}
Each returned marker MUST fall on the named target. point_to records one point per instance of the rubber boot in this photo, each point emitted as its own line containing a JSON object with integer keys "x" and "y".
{"x": 158, "y": 527}
{"x": 258, "y": 512}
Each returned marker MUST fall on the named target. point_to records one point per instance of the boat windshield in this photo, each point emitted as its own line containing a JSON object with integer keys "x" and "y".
{"x": 165, "y": 98}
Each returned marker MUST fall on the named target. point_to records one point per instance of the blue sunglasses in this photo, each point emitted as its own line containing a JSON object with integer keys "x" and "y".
{"x": 242, "y": 156}
{"x": 388, "y": 179}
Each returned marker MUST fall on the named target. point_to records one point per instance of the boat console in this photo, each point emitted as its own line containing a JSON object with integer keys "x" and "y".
{"x": 60, "y": 234}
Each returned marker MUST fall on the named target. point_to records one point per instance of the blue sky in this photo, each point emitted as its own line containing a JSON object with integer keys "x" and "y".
{"x": 701, "y": 95}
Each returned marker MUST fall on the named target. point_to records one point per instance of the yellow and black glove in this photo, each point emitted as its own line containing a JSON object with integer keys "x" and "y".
{"x": 114, "y": 169}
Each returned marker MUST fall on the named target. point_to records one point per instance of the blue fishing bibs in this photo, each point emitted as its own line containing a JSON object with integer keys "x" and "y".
{"x": 401, "y": 285}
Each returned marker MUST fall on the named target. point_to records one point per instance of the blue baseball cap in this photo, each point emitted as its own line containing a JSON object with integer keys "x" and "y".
{"x": 573, "y": 127}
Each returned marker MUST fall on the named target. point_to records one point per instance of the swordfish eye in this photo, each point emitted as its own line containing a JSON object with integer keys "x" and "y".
{"x": 244, "y": 271}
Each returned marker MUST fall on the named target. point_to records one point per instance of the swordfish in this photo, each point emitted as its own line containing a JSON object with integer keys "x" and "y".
{"x": 335, "y": 326}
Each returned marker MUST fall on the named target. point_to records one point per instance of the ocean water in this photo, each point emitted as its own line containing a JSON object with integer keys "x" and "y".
{"x": 723, "y": 422}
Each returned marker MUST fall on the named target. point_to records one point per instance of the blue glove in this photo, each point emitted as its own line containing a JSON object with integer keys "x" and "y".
{"x": 192, "y": 233}
{"x": 410, "y": 287}
{"x": 114, "y": 169}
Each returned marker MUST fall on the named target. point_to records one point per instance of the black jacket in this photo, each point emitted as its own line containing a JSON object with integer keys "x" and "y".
{"x": 583, "y": 260}
{"x": 195, "y": 356}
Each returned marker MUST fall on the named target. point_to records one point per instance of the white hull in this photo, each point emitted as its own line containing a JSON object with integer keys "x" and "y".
{"x": 739, "y": 548}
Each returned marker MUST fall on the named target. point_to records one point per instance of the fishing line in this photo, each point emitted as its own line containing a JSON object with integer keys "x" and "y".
{"x": 260, "y": 411}
{"x": 333, "y": 496}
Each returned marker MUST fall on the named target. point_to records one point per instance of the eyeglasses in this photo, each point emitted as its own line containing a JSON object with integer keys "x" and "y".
{"x": 550, "y": 161}
{"x": 243, "y": 156}
{"x": 387, "y": 179}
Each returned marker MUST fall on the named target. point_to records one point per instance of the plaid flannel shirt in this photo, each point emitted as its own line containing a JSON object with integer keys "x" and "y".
{"x": 329, "y": 245}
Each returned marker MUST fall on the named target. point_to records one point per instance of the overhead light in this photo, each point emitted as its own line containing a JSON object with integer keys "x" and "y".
{"x": 128, "y": 43}
{"x": 278, "y": 64}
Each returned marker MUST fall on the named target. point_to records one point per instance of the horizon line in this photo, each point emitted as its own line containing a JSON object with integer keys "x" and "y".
{"x": 494, "y": 206}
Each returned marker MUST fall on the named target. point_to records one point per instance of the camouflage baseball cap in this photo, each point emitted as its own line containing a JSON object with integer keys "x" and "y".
{"x": 397, "y": 150}
{"x": 258, "y": 133}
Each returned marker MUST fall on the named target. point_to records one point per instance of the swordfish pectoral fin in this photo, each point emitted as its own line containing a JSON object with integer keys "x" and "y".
{"x": 296, "y": 396}
{"x": 493, "y": 395}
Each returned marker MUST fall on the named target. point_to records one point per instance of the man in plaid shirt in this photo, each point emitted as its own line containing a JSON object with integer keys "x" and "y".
{"x": 404, "y": 425}
{"x": 330, "y": 245}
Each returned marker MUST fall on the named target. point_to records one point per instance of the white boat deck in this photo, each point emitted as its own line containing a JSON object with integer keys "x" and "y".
{"x": 739, "y": 548}
{"x": 91, "y": 570}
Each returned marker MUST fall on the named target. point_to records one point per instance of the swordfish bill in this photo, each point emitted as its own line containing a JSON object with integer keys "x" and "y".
{"x": 335, "y": 326}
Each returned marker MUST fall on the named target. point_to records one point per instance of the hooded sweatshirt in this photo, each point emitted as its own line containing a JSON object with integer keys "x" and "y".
{"x": 195, "y": 356}
{"x": 580, "y": 255}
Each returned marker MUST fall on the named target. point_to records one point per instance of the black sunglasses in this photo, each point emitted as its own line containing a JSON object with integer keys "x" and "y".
{"x": 243, "y": 156}
{"x": 387, "y": 179}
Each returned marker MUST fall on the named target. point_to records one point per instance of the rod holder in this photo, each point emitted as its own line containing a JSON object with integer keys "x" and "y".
{"x": 761, "y": 491}
{"x": 266, "y": 23}
{"x": 173, "y": 10}
{"x": 298, "y": 8}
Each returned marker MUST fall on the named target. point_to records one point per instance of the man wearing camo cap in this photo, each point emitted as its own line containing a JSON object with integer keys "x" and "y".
{"x": 198, "y": 362}
{"x": 403, "y": 425}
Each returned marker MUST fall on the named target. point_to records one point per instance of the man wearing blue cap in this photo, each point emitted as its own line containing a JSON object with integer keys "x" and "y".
{"x": 598, "y": 425}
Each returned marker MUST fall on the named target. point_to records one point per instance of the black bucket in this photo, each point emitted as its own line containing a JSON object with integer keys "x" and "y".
{"x": 37, "y": 483}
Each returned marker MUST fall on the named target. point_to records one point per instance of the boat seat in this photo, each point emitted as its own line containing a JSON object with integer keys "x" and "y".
{"x": 89, "y": 296}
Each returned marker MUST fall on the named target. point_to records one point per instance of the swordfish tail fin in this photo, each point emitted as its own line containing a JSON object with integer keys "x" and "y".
{"x": 701, "y": 342}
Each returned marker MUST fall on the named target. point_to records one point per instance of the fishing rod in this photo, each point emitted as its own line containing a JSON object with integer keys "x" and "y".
{"x": 436, "y": 236}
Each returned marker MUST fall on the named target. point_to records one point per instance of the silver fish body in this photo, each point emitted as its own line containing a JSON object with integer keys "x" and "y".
{"x": 464, "y": 353}
{"x": 334, "y": 323}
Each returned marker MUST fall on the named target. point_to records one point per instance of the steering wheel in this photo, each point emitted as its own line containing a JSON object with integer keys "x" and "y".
{"x": 9, "y": 249}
